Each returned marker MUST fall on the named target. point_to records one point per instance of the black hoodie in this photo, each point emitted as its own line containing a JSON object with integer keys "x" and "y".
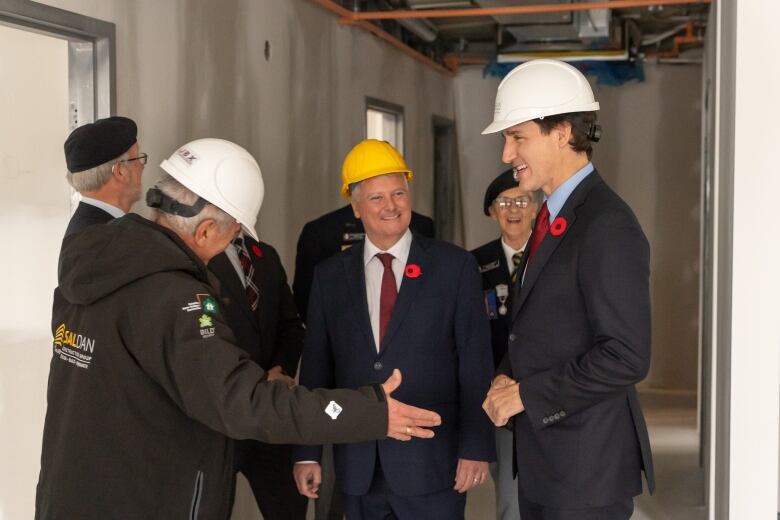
{"x": 146, "y": 386}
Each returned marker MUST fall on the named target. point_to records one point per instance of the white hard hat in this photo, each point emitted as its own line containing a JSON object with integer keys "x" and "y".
{"x": 224, "y": 174}
{"x": 540, "y": 88}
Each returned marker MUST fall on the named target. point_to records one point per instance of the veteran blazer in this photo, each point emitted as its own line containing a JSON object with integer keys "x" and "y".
{"x": 272, "y": 334}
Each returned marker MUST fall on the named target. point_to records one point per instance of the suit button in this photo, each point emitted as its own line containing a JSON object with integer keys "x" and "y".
{"x": 557, "y": 416}
{"x": 563, "y": 414}
{"x": 512, "y": 337}
{"x": 377, "y": 366}
{"x": 545, "y": 420}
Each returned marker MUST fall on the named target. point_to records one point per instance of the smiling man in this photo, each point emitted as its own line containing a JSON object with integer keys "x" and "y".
{"x": 579, "y": 337}
{"x": 399, "y": 300}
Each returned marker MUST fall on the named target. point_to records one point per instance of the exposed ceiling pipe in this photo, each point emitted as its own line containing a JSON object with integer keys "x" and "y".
{"x": 384, "y": 35}
{"x": 519, "y": 9}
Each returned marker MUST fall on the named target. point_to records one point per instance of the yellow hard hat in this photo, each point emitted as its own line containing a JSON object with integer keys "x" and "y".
{"x": 371, "y": 158}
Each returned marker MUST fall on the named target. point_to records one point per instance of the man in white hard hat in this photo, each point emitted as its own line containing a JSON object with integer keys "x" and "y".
{"x": 146, "y": 385}
{"x": 579, "y": 339}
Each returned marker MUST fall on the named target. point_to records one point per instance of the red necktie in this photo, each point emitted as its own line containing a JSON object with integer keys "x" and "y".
{"x": 388, "y": 295}
{"x": 540, "y": 230}
{"x": 252, "y": 293}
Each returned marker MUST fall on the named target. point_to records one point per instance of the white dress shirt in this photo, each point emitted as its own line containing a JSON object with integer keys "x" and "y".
{"x": 232, "y": 253}
{"x": 509, "y": 253}
{"x": 374, "y": 271}
{"x": 105, "y": 206}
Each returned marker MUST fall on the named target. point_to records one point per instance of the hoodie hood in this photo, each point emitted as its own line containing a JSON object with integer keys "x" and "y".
{"x": 101, "y": 259}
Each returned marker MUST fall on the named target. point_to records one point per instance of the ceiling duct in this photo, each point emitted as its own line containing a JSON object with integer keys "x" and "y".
{"x": 564, "y": 30}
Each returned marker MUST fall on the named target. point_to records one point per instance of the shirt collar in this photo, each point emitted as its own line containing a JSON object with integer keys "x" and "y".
{"x": 558, "y": 198}
{"x": 400, "y": 249}
{"x": 108, "y": 208}
{"x": 509, "y": 251}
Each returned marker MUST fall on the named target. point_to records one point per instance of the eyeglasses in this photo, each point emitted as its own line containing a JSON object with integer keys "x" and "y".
{"x": 508, "y": 202}
{"x": 142, "y": 158}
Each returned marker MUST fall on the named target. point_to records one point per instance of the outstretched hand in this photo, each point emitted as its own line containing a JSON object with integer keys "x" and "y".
{"x": 405, "y": 421}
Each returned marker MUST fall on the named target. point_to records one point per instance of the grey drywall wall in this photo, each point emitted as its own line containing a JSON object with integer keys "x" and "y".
{"x": 196, "y": 68}
{"x": 650, "y": 154}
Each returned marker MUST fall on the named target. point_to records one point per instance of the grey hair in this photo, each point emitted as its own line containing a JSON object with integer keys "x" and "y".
{"x": 353, "y": 188}
{"x": 187, "y": 225}
{"x": 94, "y": 178}
{"x": 537, "y": 196}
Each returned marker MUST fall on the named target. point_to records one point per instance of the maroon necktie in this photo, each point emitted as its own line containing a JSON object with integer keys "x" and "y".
{"x": 388, "y": 295}
{"x": 540, "y": 230}
{"x": 252, "y": 293}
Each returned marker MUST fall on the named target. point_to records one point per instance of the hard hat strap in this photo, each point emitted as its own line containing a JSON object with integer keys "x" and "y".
{"x": 159, "y": 200}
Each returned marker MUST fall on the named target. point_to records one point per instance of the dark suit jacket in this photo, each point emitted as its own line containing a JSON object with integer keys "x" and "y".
{"x": 328, "y": 235}
{"x": 86, "y": 215}
{"x": 437, "y": 337}
{"x": 493, "y": 267}
{"x": 273, "y": 333}
{"x": 579, "y": 342}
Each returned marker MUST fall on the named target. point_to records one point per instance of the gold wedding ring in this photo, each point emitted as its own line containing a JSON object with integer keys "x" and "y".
{"x": 408, "y": 431}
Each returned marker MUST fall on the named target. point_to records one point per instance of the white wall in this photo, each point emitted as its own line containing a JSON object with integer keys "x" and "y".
{"x": 743, "y": 461}
{"x": 649, "y": 154}
{"x": 34, "y": 210}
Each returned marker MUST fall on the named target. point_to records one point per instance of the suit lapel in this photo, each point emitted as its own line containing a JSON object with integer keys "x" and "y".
{"x": 356, "y": 285}
{"x": 551, "y": 242}
{"x": 231, "y": 285}
{"x": 410, "y": 287}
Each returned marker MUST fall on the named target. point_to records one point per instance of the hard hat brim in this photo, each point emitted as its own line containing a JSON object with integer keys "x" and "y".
{"x": 497, "y": 126}
{"x": 345, "y": 187}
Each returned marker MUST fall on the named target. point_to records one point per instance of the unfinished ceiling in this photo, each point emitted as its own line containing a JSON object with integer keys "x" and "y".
{"x": 449, "y": 33}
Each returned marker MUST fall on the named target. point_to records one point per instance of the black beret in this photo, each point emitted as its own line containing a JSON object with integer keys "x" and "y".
{"x": 503, "y": 182}
{"x": 96, "y": 143}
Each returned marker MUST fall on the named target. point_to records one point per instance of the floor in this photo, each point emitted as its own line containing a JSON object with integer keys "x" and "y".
{"x": 679, "y": 493}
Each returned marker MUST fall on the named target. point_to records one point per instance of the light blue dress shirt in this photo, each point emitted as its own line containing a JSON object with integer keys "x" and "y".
{"x": 558, "y": 198}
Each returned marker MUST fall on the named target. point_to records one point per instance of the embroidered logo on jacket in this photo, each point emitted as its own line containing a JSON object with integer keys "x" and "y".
{"x": 72, "y": 347}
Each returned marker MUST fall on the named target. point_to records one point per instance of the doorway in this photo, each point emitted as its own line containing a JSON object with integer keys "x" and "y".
{"x": 445, "y": 177}
{"x": 56, "y": 74}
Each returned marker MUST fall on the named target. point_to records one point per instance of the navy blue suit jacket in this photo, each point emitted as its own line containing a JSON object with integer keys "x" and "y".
{"x": 579, "y": 342}
{"x": 438, "y": 337}
{"x": 86, "y": 215}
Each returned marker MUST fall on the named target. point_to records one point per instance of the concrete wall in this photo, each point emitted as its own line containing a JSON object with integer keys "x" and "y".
{"x": 649, "y": 153}
{"x": 196, "y": 68}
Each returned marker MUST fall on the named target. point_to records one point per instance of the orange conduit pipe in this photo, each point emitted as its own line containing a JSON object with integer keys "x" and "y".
{"x": 386, "y": 36}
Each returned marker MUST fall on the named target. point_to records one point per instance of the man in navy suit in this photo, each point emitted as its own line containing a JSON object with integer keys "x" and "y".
{"x": 105, "y": 166}
{"x": 579, "y": 340}
{"x": 398, "y": 300}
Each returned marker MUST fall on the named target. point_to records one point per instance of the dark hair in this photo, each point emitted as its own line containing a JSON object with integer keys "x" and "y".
{"x": 582, "y": 129}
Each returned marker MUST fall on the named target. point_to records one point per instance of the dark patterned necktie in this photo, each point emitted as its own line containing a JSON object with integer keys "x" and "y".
{"x": 388, "y": 294}
{"x": 516, "y": 259}
{"x": 541, "y": 226}
{"x": 252, "y": 293}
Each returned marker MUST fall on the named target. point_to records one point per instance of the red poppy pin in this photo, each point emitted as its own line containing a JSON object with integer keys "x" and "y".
{"x": 558, "y": 226}
{"x": 257, "y": 251}
{"x": 412, "y": 271}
